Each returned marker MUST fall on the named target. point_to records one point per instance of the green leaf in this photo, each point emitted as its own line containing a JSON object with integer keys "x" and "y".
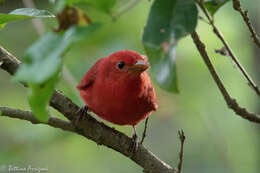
{"x": 102, "y": 5}
{"x": 1, "y": 113}
{"x": 213, "y": 5}
{"x": 42, "y": 65}
{"x": 23, "y": 13}
{"x": 32, "y": 12}
{"x": 168, "y": 21}
{"x": 39, "y": 96}
{"x": 43, "y": 59}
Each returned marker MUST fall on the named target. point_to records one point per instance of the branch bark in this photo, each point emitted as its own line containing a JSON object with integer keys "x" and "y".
{"x": 244, "y": 14}
{"x": 89, "y": 126}
{"x": 28, "y": 116}
{"x": 232, "y": 104}
{"x": 182, "y": 139}
{"x": 228, "y": 48}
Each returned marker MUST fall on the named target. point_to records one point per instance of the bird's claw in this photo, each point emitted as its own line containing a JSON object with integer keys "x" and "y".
{"x": 134, "y": 145}
{"x": 80, "y": 114}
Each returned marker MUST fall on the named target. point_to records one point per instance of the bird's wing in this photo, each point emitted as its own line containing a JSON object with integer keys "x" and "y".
{"x": 151, "y": 94}
{"x": 89, "y": 77}
{"x": 153, "y": 99}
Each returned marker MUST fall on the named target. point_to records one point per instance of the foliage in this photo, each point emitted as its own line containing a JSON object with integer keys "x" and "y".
{"x": 213, "y": 5}
{"x": 23, "y": 13}
{"x": 168, "y": 22}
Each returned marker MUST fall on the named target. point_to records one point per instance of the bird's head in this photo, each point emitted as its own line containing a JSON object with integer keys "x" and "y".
{"x": 128, "y": 62}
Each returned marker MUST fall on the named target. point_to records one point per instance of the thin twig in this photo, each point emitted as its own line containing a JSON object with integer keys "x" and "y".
{"x": 182, "y": 139}
{"x": 144, "y": 132}
{"x": 223, "y": 51}
{"x": 230, "y": 52}
{"x": 232, "y": 104}
{"x": 244, "y": 14}
{"x": 202, "y": 19}
{"x": 27, "y": 115}
{"x": 125, "y": 9}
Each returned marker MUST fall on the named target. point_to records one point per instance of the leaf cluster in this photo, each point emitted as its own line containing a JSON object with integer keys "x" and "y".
{"x": 168, "y": 22}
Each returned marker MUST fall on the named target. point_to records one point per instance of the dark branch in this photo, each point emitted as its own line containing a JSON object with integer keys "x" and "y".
{"x": 93, "y": 129}
{"x": 223, "y": 51}
{"x": 229, "y": 50}
{"x": 244, "y": 14}
{"x": 232, "y": 104}
{"x": 182, "y": 139}
{"x": 8, "y": 62}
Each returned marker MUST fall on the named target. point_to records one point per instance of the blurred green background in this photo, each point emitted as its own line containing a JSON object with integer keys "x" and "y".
{"x": 216, "y": 139}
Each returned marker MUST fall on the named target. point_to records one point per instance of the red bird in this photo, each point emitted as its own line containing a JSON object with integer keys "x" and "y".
{"x": 118, "y": 89}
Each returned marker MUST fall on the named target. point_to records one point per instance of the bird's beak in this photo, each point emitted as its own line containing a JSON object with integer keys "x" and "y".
{"x": 140, "y": 66}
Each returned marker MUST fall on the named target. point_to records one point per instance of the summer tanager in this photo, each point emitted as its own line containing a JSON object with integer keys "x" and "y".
{"x": 118, "y": 89}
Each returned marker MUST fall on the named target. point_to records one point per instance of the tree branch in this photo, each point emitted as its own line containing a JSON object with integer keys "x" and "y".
{"x": 244, "y": 14}
{"x": 28, "y": 116}
{"x": 232, "y": 104}
{"x": 8, "y": 62}
{"x": 230, "y": 52}
{"x": 90, "y": 127}
{"x": 182, "y": 139}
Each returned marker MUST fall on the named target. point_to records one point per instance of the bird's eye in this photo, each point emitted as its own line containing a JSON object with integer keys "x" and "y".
{"x": 120, "y": 64}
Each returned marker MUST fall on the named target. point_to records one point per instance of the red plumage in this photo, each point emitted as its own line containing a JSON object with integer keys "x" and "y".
{"x": 118, "y": 89}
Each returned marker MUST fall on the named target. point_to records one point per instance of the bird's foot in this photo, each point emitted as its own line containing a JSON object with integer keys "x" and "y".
{"x": 144, "y": 132}
{"x": 134, "y": 145}
{"x": 80, "y": 114}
